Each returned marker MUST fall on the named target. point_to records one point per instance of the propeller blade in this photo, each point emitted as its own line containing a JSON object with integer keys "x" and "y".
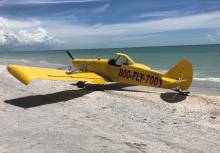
{"x": 69, "y": 54}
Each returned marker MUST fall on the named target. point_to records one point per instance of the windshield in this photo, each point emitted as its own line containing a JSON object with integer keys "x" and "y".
{"x": 121, "y": 60}
{"x": 118, "y": 60}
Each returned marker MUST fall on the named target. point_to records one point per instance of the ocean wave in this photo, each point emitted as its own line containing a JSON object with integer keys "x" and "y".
{"x": 14, "y": 60}
{"x": 30, "y": 62}
{"x": 211, "y": 79}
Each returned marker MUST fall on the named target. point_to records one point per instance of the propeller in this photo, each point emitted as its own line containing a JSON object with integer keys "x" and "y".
{"x": 71, "y": 70}
{"x": 69, "y": 54}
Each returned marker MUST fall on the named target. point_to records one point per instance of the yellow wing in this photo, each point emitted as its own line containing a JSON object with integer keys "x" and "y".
{"x": 26, "y": 73}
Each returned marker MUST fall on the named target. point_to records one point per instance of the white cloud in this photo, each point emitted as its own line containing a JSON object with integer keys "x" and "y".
{"x": 211, "y": 37}
{"x": 39, "y": 36}
{"x": 158, "y": 14}
{"x": 28, "y": 34}
{"x": 27, "y": 2}
{"x": 101, "y": 9}
{"x": 18, "y": 24}
{"x": 214, "y": 37}
{"x": 6, "y": 37}
{"x": 218, "y": 32}
{"x": 102, "y": 35}
{"x": 86, "y": 36}
{"x": 24, "y": 38}
{"x": 3, "y": 22}
{"x": 209, "y": 20}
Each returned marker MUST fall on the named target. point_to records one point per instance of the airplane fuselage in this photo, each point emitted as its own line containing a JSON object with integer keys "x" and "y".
{"x": 135, "y": 74}
{"x": 121, "y": 68}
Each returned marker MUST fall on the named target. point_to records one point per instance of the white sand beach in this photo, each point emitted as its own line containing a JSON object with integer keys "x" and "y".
{"x": 57, "y": 117}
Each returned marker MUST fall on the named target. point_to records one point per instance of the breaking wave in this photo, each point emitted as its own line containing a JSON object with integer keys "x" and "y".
{"x": 31, "y": 63}
{"x": 211, "y": 79}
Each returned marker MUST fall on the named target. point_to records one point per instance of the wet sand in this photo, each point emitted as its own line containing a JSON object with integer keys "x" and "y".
{"x": 57, "y": 117}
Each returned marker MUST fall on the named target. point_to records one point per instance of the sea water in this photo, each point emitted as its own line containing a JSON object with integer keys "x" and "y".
{"x": 205, "y": 60}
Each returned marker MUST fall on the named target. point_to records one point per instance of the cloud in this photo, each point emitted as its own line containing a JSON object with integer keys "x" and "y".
{"x": 3, "y": 22}
{"x": 218, "y": 32}
{"x": 39, "y": 36}
{"x": 27, "y": 2}
{"x": 158, "y": 14}
{"x": 101, "y": 9}
{"x": 101, "y": 34}
{"x": 17, "y": 35}
{"x": 26, "y": 39}
{"x": 209, "y": 20}
{"x": 18, "y": 24}
{"x": 34, "y": 32}
{"x": 211, "y": 37}
{"x": 214, "y": 37}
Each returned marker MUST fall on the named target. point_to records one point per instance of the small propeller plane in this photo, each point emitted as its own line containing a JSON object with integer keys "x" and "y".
{"x": 121, "y": 69}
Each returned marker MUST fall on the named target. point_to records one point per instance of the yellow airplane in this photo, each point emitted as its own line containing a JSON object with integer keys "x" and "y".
{"x": 121, "y": 69}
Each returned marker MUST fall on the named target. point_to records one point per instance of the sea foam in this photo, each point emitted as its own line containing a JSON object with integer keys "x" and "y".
{"x": 211, "y": 79}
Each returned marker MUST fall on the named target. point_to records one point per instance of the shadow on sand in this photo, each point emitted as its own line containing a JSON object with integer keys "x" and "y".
{"x": 172, "y": 97}
{"x": 38, "y": 100}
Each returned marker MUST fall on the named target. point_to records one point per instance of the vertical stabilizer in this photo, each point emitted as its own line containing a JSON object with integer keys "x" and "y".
{"x": 183, "y": 72}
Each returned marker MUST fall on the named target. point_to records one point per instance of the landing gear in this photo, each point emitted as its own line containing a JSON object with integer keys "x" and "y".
{"x": 179, "y": 90}
{"x": 81, "y": 84}
{"x": 185, "y": 93}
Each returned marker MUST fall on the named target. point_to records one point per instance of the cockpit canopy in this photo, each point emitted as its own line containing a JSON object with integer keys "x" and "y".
{"x": 120, "y": 59}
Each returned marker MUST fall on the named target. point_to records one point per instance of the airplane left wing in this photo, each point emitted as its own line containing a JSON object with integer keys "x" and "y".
{"x": 26, "y": 74}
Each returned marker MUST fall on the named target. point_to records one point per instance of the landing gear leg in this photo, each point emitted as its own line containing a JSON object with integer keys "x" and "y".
{"x": 185, "y": 93}
{"x": 81, "y": 84}
{"x": 180, "y": 91}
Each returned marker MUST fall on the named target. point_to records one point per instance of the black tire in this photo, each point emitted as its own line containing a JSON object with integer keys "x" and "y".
{"x": 80, "y": 84}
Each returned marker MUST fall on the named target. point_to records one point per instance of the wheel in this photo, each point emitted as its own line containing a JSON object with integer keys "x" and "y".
{"x": 185, "y": 93}
{"x": 80, "y": 84}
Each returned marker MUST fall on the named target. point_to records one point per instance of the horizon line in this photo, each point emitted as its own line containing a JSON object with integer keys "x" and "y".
{"x": 41, "y": 50}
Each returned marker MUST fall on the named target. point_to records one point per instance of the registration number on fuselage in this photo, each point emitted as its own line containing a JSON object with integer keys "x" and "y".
{"x": 140, "y": 77}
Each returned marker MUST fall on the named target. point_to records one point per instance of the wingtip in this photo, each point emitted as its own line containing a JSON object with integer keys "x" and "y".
{"x": 18, "y": 74}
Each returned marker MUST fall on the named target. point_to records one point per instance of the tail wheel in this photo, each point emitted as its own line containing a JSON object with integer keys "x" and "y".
{"x": 81, "y": 84}
{"x": 185, "y": 93}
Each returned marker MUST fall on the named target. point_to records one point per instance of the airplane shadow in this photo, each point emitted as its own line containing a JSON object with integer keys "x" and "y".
{"x": 114, "y": 86}
{"x": 38, "y": 100}
{"x": 172, "y": 97}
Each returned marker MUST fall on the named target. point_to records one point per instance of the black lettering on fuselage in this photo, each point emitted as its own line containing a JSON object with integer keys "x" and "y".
{"x": 152, "y": 79}
{"x": 120, "y": 72}
{"x": 141, "y": 76}
{"x": 134, "y": 75}
{"x": 137, "y": 77}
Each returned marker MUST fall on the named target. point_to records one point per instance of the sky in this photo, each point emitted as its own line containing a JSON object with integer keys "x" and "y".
{"x": 85, "y": 24}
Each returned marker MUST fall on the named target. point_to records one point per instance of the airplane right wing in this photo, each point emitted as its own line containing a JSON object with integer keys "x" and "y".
{"x": 26, "y": 74}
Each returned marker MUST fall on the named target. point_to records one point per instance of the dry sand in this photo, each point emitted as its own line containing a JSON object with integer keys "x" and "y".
{"x": 56, "y": 117}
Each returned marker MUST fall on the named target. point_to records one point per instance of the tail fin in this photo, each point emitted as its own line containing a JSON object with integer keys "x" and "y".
{"x": 183, "y": 72}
